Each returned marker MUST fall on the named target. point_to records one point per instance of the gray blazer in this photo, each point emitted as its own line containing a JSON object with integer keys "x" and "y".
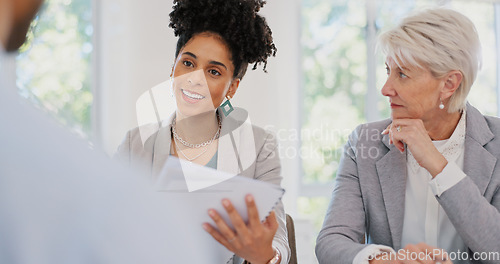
{"x": 369, "y": 195}
{"x": 243, "y": 149}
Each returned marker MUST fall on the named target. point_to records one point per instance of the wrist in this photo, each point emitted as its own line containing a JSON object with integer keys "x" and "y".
{"x": 438, "y": 166}
{"x": 272, "y": 256}
{"x": 276, "y": 257}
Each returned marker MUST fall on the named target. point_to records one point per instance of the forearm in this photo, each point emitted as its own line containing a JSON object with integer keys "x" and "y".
{"x": 476, "y": 220}
{"x": 344, "y": 225}
{"x": 280, "y": 241}
{"x": 336, "y": 248}
{"x": 268, "y": 169}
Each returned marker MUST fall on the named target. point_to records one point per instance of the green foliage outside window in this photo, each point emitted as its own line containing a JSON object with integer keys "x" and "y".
{"x": 54, "y": 66}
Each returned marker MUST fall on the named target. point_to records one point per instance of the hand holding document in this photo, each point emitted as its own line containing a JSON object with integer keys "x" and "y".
{"x": 194, "y": 189}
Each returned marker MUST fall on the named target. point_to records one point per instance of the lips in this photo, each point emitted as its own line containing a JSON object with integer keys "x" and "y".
{"x": 191, "y": 97}
{"x": 393, "y": 105}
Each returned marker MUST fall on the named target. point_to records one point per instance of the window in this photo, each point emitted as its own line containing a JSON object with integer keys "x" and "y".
{"x": 54, "y": 66}
{"x": 343, "y": 76}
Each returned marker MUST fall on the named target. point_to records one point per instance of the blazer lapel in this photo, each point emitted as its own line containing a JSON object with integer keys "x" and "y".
{"x": 161, "y": 149}
{"x": 479, "y": 163}
{"x": 228, "y": 159}
{"x": 392, "y": 175}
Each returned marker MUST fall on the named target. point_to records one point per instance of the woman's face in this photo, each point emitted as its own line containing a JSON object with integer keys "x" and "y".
{"x": 203, "y": 75}
{"x": 413, "y": 92}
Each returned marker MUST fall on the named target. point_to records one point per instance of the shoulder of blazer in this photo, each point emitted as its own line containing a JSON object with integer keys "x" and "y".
{"x": 260, "y": 134}
{"x": 481, "y": 128}
{"x": 369, "y": 133}
{"x": 143, "y": 138}
{"x": 493, "y": 127}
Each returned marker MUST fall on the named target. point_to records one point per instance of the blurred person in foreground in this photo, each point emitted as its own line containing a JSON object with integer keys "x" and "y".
{"x": 54, "y": 207}
{"x": 427, "y": 180}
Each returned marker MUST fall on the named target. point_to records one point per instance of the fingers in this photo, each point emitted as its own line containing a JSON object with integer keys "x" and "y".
{"x": 396, "y": 137}
{"x": 217, "y": 236}
{"x": 403, "y": 132}
{"x": 253, "y": 216}
{"x": 271, "y": 222}
{"x": 386, "y": 130}
{"x": 437, "y": 254}
{"x": 415, "y": 255}
{"x": 236, "y": 220}
{"x": 423, "y": 253}
{"x": 226, "y": 232}
{"x": 253, "y": 213}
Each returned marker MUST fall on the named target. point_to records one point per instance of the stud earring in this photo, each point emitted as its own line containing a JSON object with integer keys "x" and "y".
{"x": 226, "y": 107}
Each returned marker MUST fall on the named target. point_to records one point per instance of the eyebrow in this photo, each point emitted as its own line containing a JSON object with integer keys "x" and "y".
{"x": 210, "y": 62}
{"x": 401, "y": 68}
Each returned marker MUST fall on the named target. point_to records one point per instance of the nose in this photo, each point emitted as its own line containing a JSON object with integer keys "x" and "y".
{"x": 196, "y": 77}
{"x": 388, "y": 89}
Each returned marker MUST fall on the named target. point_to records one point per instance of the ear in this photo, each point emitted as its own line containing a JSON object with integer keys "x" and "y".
{"x": 451, "y": 83}
{"x": 233, "y": 88}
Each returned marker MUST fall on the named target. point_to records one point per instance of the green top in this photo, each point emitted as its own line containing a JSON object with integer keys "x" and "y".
{"x": 213, "y": 162}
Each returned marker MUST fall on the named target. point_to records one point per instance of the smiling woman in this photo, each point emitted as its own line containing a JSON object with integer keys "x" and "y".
{"x": 218, "y": 39}
{"x": 201, "y": 78}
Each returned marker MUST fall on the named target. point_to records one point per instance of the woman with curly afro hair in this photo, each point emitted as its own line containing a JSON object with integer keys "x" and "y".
{"x": 217, "y": 40}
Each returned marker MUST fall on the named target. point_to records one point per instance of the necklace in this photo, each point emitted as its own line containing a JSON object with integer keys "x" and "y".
{"x": 190, "y": 145}
{"x": 193, "y": 158}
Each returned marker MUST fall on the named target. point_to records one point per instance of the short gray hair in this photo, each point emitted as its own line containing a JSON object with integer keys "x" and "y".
{"x": 441, "y": 40}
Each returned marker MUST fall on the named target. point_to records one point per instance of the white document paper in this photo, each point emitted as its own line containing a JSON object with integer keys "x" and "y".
{"x": 191, "y": 190}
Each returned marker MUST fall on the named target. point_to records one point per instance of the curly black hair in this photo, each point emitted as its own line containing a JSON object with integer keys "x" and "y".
{"x": 246, "y": 33}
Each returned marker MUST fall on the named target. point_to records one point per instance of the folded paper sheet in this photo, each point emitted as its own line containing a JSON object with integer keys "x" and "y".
{"x": 192, "y": 189}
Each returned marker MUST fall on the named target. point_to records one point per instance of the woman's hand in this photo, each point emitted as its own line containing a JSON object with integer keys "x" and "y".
{"x": 425, "y": 254}
{"x": 252, "y": 241}
{"x": 413, "y": 133}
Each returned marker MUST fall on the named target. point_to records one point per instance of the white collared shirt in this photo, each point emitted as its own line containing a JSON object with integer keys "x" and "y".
{"x": 424, "y": 219}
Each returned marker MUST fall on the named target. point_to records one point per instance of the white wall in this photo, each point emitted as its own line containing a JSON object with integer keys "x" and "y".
{"x": 135, "y": 48}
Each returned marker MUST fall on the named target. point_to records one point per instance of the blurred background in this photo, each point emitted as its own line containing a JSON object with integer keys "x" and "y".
{"x": 87, "y": 62}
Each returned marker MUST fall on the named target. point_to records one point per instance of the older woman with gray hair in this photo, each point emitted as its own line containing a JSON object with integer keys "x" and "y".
{"x": 423, "y": 186}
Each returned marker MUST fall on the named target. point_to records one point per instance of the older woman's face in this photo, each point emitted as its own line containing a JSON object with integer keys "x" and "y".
{"x": 203, "y": 75}
{"x": 413, "y": 92}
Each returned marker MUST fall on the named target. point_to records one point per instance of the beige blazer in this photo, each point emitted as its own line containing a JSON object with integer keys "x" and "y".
{"x": 243, "y": 149}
